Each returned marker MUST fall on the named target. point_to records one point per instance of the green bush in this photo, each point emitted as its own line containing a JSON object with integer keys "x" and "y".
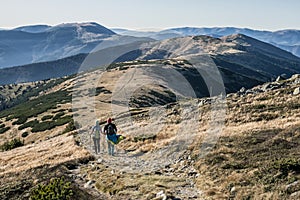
{"x": 4, "y": 129}
{"x": 25, "y": 134}
{"x": 58, "y": 115}
{"x": 34, "y": 107}
{"x": 12, "y": 144}
{"x": 46, "y": 117}
{"x": 28, "y": 124}
{"x": 43, "y": 126}
{"x": 21, "y": 120}
{"x": 287, "y": 164}
{"x": 56, "y": 189}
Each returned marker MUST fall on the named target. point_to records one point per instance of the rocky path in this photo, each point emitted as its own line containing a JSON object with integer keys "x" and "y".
{"x": 127, "y": 166}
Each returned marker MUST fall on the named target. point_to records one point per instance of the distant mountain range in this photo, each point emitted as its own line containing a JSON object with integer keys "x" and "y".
{"x": 41, "y": 52}
{"x": 31, "y": 44}
{"x": 288, "y": 40}
{"x": 243, "y": 61}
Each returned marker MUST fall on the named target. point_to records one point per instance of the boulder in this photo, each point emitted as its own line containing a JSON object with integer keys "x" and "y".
{"x": 296, "y": 91}
{"x": 297, "y": 81}
{"x": 292, "y": 186}
{"x": 295, "y": 195}
{"x": 281, "y": 78}
{"x": 161, "y": 195}
{"x": 89, "y": 184}
{"x": 295, "y": 76}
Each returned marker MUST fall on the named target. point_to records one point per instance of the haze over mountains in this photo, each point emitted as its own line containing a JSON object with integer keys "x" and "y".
{"x": 39, "y": 43}
{"x": 52, "y": 52}
{"x": 31, "y": 44}
{"x": 288, "y": 40}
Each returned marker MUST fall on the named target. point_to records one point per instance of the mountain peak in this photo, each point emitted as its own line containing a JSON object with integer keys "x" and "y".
{"x": 92, "y": 27}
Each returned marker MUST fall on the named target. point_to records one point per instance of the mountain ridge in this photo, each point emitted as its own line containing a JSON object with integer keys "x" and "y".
{"x": 279, "y": 38}
{"x": 56, "y": 42}
{"x": 237, "y": 56}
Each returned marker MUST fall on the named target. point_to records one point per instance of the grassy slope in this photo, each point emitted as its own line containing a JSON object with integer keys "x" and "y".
{"x": 258, "y": 154}
{"x": 255, "y": 158}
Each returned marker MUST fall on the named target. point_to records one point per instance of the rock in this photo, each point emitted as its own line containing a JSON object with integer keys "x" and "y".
{"x": 201, "y": 103}
{"x": 229, "y": 95}
{"x": 280, "y": 78}
{"x": 242, "y": 90}
{"x": 233, "y": 189}
{"x": 295, "y": 76}
{"x": 266, "y": 86}
{"x": 295, "y": 195}
{"x": 192, "y": 173}
{"x": 249, "y": 92}
{"x": 270, "y": 86}
{"x": 89, "y": 184}
{"x": 161, "y": 195}
{"x": 292, "y": 186}
{"x": 297, "y": 81}
{"x": 296, "y": 91}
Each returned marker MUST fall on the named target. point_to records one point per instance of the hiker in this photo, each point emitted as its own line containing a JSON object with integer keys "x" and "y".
{"x": 96, "y": 130}
{"x": 110, "y": 130}
{"x": 112, "y": 138}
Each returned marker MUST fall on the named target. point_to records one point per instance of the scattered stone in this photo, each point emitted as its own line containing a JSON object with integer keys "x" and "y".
{"x": 292, "y": 186}
{"x": 233, "y": 189}
{"x": 266, "y": 86}
{"x": 281, "y": 78}
{"x": 297, "y": 81}
{"x": 243, "y": 90}
{"x": 192, "y": 173}
{"x": 296, "y": 91}
{"x": 89, "y": 184}
{"x": 296, "y": 195}
{"x": 161, "y": 195}
{"x": 295, "y": 76}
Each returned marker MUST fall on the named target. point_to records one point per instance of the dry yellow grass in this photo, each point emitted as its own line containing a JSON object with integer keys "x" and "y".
{"x": 52, "y": 152}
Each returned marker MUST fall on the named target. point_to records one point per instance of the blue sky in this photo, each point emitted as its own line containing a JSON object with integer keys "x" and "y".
{"x": 154, "y": 14}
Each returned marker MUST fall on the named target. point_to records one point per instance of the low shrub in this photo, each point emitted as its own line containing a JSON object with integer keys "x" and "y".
{"x": 57, "y": 188}
{"x": 4, "y": 129}
{"x": 58, "y": 115}
{"x": 9, "y": 145}
{"x": 287, "y": 164}
{"x": 25, "y": 134}
{"x": 28, "y": 124}
{"x": 46, "y": 117}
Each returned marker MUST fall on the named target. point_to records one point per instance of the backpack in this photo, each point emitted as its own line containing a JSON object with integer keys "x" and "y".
{"x": 110, "y": 129}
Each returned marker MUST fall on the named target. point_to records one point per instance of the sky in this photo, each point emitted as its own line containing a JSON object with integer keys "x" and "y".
{"x": 154, "y": 14}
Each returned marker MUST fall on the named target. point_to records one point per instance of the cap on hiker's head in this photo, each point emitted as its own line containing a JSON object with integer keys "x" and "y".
{"x": 97, "y": 121}
{"x": 109, "y": 120}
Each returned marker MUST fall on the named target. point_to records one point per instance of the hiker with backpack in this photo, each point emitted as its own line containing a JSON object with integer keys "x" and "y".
{"x": 96, "y": 130}
{"x": 110, "y": 130}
